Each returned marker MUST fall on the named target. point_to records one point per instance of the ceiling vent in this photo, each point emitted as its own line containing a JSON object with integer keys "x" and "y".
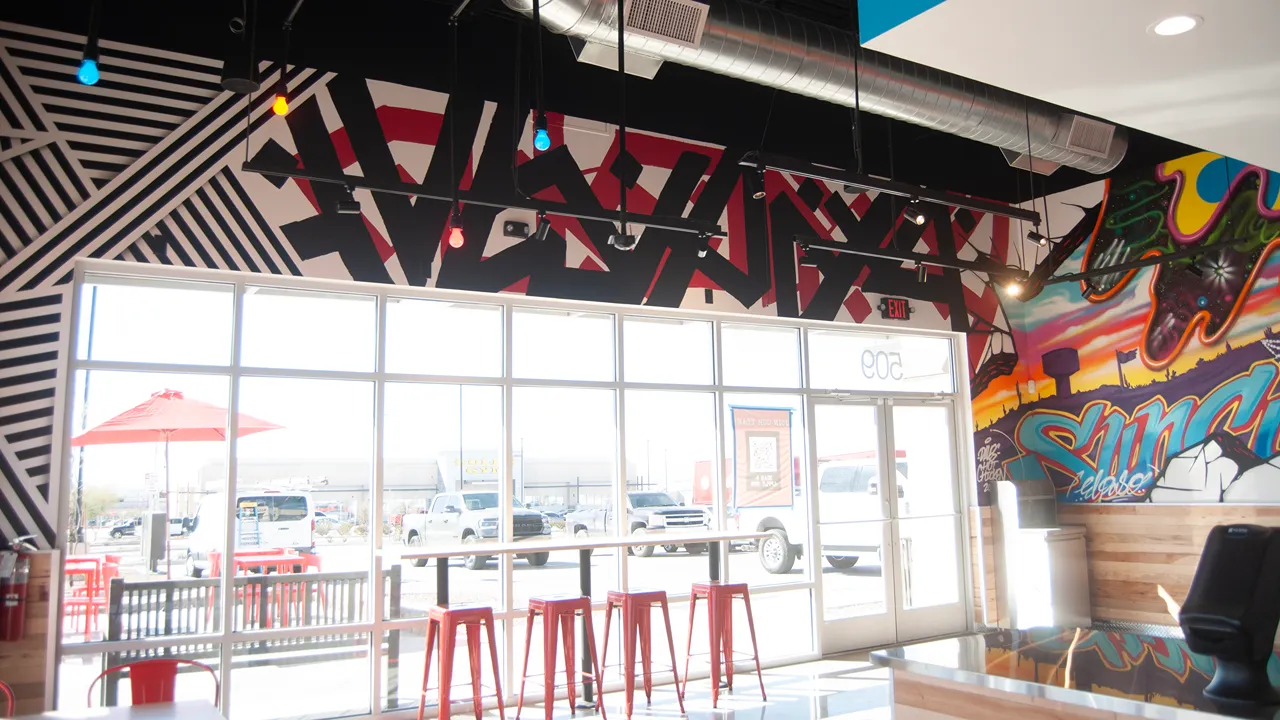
{"x": 1020, "y": 161}
{"x": 1090, "y": 137}
{"x": 677, "y": 21}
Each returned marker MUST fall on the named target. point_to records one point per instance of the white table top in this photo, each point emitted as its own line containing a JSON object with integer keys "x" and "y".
{"x": 183, "y": 710}
{"x": 532, "y": 546}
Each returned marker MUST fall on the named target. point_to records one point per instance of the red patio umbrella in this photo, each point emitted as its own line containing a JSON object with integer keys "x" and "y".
{"x": 169, "y": 416}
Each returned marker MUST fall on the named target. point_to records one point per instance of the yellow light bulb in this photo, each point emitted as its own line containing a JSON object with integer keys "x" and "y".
{"x": 281, "y": 105}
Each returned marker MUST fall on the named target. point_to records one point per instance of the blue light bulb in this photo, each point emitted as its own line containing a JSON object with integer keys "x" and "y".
{"x": 88, "y": 72}
{"x": 542, "y": 139}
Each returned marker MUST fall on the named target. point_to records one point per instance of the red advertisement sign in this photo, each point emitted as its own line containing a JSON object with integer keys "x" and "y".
{"x": 762, "y": 467}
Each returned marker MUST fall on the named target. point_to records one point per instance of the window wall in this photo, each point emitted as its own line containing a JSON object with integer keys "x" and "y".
{"x": 344, "y": 426}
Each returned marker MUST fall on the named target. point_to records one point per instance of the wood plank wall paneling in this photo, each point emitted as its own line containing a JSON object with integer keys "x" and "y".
{"x": 918, "y": 697}
{"x": 25, "y": 664}
{"x": 982, "y": 553}
{"x": 1134, "y": 550}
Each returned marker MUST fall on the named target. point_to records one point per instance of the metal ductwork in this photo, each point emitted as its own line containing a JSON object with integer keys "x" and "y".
{"x": 774, "y": 49}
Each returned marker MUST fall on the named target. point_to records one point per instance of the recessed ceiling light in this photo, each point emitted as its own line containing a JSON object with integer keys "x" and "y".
{"x": 1176, "y": 25}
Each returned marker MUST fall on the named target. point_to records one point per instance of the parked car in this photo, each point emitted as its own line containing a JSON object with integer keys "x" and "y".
{"x": 647, "y": 513}
{"x": 128, "y": 527}
{"x": 264, "y": 518}
{"x": 177, "y": 527}
{"x": 472, "y": 518}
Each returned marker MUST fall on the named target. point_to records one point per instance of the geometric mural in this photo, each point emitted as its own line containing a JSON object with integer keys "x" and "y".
{"x": 146, "y": 167}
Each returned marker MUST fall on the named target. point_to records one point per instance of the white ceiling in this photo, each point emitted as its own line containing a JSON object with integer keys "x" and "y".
{"x": 1216, "y": 87}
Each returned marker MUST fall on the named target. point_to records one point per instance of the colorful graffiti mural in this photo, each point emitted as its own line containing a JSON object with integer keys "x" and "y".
{"x": 1156, "y": 384}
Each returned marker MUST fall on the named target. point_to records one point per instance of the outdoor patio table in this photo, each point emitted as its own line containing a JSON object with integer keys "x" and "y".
{"x": 185, "y": 710}
{"x": 714, "y": 540}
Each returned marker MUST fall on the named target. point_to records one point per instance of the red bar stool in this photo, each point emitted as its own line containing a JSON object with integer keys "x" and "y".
{"x": 636, "y": 606}
{"x": 445, "y": 620}
{"x": 720, "y": 597}
{"x": 560, "y": 611}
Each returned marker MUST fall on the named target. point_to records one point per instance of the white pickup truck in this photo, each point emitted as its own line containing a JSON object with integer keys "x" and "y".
{"x": 472, "y": 518}
{"x": 848, "y": 492}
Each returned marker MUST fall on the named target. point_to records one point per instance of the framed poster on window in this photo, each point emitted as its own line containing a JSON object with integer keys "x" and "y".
{"x": 763, "y": 474}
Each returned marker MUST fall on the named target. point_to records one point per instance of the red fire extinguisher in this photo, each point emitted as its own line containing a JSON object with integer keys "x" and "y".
{"x": 13, "y": 593}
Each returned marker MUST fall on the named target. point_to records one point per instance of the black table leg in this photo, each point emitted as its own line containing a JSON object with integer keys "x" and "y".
{"x": 584, "y": 584}
{"x": 442, "y": 581}
{"x": 713, "y": 558}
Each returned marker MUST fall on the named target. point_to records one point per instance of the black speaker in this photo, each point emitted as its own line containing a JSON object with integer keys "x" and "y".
{"x": 1233, "y": 608}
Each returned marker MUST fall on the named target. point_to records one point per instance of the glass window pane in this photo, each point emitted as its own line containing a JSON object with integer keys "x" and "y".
{"x": 923, "y": 441}
{"x": 320, "y": 460}
{"x": 765, "y": 489}
{"x": 305, "y": 330}
{"x": 851, "y": 509}
{"x": 323, "y": 676}
{"x": 566, "y": 468}
{"x": 670, "y": 437}
{"x": 760, "y": 356}
{"x": 666, "y": 350}
{"x": 861, "y": 361}
{"x": 155, "y": 321}
{"x": 77, "y": 672}
{"x": 442, "y": 447}
{"x": 930, "y": 572}
{"x": 132, "y": 517}
{"x": 430, "y": 337}
{"x": 562, "y": 345}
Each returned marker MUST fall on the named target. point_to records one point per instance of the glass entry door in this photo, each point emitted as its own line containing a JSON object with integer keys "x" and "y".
{"x": 888, "y": 530}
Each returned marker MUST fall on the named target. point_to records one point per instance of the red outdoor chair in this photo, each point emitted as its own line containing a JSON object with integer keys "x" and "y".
{"x": 8, "y": 697}
{"x": 152, "y": 681}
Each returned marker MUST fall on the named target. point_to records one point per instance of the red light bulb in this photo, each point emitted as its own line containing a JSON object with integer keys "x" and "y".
{"x": 455, "y": 237}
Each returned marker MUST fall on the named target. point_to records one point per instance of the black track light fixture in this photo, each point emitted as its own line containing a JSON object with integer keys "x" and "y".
{"x": 1035, "y": 237}
{"x": 759, "y": 194}
{"x": 704, "y": 245}
{"x": 543, "y": 229}
{"x": 240, "y": 65}
{"x": 914, "y": 212}
{"x": 922, "y": 273}
{"x": 349, "y": 205}
{"x": 807, "y": 258}
{"x": 624, "y": 240}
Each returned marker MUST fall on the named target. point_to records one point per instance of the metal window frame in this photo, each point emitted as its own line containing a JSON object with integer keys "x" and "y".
{"x": 234, "y": 371}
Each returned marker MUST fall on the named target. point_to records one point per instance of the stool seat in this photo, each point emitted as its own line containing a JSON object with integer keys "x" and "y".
{"x": 635, "y": 606}
{"x": 560, "y": 611}
{"x": 720, "y": 596}
{"x": 443, "y": 621}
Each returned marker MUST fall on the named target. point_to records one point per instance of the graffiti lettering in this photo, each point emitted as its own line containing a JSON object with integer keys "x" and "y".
{"x": 1105, "y": 454}
{"x": 990, "y": 470}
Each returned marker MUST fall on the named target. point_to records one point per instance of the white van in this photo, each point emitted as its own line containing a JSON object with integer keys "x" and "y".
{"x": 264, "y": 519}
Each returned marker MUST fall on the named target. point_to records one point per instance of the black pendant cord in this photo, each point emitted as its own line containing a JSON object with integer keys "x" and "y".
{"x": 518, "y": 120}
{"x": 857, "y": 78}
{"x": 537, "y": 50}
{"x": 454, "y": 180}
{"x": 622, "y": 125}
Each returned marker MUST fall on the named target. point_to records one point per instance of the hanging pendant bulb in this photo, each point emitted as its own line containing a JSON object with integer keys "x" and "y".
{"x": 456, "y": 239}
{"x": 281, "y": 104}
{"x": 541, "y": 138}
{"x": 88, "y": 73}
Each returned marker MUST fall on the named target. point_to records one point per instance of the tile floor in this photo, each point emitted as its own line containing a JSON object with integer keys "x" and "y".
{"x": 837, "y": 687}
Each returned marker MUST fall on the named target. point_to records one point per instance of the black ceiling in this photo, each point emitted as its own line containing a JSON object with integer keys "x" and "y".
{"x": 404, "y": 41}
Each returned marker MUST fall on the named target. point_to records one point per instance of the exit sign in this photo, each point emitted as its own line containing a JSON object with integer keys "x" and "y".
{"x": 892, "y": 308}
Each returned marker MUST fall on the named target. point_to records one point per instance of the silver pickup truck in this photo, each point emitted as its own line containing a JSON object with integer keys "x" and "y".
{"x": 647, "y": 513}
{"x": 472, "y": 518}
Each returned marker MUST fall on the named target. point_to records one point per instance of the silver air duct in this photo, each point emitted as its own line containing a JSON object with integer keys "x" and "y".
{"x": 764, "y": 46}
